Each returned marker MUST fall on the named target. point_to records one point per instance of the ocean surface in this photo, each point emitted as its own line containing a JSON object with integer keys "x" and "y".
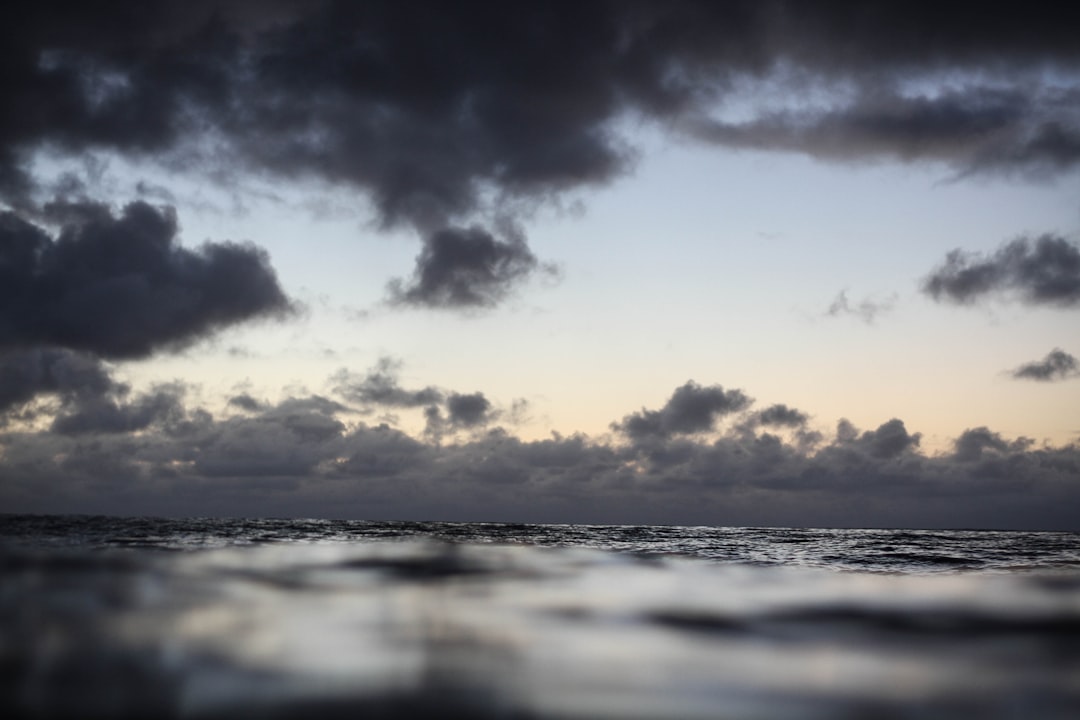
{"x": 106, "y": 617}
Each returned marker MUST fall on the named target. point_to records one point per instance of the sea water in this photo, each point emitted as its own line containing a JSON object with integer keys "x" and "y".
{"x": 107, "y": 617}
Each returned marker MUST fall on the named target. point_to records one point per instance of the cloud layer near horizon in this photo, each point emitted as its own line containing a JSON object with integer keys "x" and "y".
{"x": 706, "y": 457}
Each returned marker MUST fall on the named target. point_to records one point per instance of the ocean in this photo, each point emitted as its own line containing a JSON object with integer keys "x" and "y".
{"x": 209, "y": 618}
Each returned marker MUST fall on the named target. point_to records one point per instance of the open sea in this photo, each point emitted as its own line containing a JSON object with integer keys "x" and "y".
{"x": 123, "y": 618}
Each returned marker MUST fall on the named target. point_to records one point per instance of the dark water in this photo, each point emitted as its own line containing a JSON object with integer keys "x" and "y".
{"x": 103, "y": 617}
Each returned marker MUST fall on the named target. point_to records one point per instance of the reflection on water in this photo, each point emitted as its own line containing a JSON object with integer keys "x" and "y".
{"x": 423, "y": 627}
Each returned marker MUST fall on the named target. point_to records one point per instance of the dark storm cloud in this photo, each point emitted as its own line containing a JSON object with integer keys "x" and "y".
{"x": 690, "y": 409}
{"x": 437, "y": 111}
{"x": 1044, "y": 271}
{"x": 464, "y": 268}
{"x": 1057, "y": 365}
{"x": 121, "y": 287}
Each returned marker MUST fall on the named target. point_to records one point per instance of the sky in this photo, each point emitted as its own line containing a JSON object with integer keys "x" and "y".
{"x": 698, "y": 263}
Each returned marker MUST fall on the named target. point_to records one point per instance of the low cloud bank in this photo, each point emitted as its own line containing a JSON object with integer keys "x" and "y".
{"x": 705, "y": 457}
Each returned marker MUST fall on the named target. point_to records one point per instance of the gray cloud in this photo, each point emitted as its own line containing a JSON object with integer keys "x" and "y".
{"x": 468, "y": 410}
{"x": 691, "y": 409}
{"x": 380, "y": 386}
{"x": 80, "y": 394}
{"x": 846, "y": 432}
{"x": 1057, "y": 365}
{"x": 440, "y": 111}
{"x": 70, "y": 376}
{"x": 445, "y": 411}
{"x": 245, "y": 402}
{"x": 465, "y": 268}
{"x": 978, "y": 443}
{"x": 441, "y": 115}
{"x": 102, "y": 414}
{"x": 1044, "y": 271}
{"x": 889, "y": 441}
{"x": 866, "y": 310}
{"x": 121, "y": 287}
{"x": 298, "y": 458}
{"x": 361, "y": 94}
{"x": 781, "y": 415}
{"x": 289, "y": 440}
{"x": 381, "y": 452}
{"x": 975, "y": 129}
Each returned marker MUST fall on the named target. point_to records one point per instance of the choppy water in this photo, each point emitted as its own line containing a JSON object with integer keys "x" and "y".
{"x": 102, "y": 617}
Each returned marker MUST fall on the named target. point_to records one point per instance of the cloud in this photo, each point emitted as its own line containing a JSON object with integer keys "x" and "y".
{"x": 80, "y": 394}
{"x": 380, "y": 386}
{"x": 977, "y": 444}
{"x": 299, "y": 458}
{"x": 691, "y": 409}
{"x": 121, "y": 287}
{"x": 288, "y": 440}
{"x": 444, "y": 411}
{"x": 444, "y": 116}
{"x": 889, "y": 441}
{"x": 245, "y": 402}
{"x": 1044, "y": 271}
{"x": 381, "y": 452}
{"x": 70, "y": 376}
{"x": 975, "y": 129}
{"x": 448, "y": 112}
{"x": 468, "y": 410}
{"x": 465, "y": 268}
{"x": 866, "y": 310}
{"x": 362, "y": 95}
{"x": 103, "y": 414}
{"x": 1057, "y": 365}
{"x": 781, "y": 415}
